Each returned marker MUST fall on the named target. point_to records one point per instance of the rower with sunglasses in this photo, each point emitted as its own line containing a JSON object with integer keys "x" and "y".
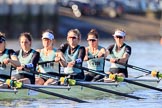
{"x": 95, "y": 55}
{"x": 119, "y": 52}
{"x": 8, "y": 59}
{"x": 74, "y": 54}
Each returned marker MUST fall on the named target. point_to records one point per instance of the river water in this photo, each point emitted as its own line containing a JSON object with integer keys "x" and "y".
{"x": 145, "y": 54}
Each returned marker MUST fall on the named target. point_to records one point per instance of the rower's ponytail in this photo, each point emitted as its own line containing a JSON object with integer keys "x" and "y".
{"x": 94, "y": 32}
{"x": 26, "y": 35}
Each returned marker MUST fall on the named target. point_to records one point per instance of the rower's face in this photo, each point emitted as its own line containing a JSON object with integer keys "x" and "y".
{"x": 92, "y": 41}
{"x": 47, "y": 43}
{"x": 2, "y": 45}
{"x": 119, "y": 39}
{"x": 25, "y": 43}
{"x": 72, "y": 39}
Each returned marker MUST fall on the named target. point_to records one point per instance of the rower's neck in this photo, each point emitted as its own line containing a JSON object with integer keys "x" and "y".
{"x": 94, "y": 48}
{"x": 48, "y": 48}
{"x": 120, "y": 45}
{"x": 73, "y": 46}
{"x": 26, "y": 50}
{"x": 1, "y": 50}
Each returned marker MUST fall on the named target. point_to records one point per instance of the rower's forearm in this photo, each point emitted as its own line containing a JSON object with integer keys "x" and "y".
{"x": 15, "y": 63}
{"x": 63, "y": 63}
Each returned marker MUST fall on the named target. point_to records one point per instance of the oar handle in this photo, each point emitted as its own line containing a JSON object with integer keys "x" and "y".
{"x": 39, "y": 73}
{"x": 45, "y": 62}
{"x": 91, "y": 70}
{"x": 131, "y": 66}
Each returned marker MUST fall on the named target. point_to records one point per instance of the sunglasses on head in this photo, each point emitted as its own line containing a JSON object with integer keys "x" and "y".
{"x": 93, "y": 40}
{"x": 120, "y": 37}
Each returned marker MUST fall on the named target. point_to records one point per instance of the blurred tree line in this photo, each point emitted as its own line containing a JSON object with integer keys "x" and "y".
{"x": 32, "y": 16}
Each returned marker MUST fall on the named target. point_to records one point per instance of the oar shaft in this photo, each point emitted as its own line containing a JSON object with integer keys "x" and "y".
{"x": 142, "y": 85}
{"x": 55, "y": 94}
{"x": 108, "y": 91}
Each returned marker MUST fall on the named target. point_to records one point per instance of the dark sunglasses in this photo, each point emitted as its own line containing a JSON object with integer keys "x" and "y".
{"x": 93, "y": 40}
{"x": 119, "y": 37}
{"x": 2, "y": 40}
{"x": 72, "y": 37}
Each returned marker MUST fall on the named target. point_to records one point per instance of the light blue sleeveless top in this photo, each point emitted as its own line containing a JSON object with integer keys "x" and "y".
{"x": 116, "y": 54}
{"x": 72, "y": 57}
{"x": 96, "y": 63}
{"x": 26, "y": 60}
{"x": 5, "y": 69}
{"x": 49, "y": 67}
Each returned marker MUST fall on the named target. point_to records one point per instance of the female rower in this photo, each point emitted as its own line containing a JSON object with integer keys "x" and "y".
{"x": 95, "y": 55}
{"x": 8, "y": 58}
{"x": 48, "y": 53}
{"x": 28, "y": 58}
{"x": 119, "y": 52}
{"x": 74, "y": 54}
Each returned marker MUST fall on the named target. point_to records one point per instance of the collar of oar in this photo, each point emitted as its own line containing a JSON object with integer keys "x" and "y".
{"x": 156, "y": 74}
{"x": 67, "y": 81}
{"x": 115, "y": 77}
{"x": 63, "y": 81}
{"x": 14, "y": 83}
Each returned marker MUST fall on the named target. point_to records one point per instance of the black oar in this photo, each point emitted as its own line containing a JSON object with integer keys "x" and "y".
{"x": 53, "y": 75}
{"x": 124, "y": 79}
{"x": 159, "y": 75}
{"x": 54, "y": 94}
{"x": 108, "y": 91}
{"x": 45, "y": 62}
{"x": 21, "y": 85}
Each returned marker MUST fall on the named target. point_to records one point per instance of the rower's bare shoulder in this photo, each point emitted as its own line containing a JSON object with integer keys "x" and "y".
{"x": 38, "y": 50}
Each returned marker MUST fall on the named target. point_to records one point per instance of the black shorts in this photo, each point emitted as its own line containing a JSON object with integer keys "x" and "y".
{"x": 119, "y": 70}
{"x": 5, "y": 77}
{"x": 89, "y": 76}
{"x": 30, "y": 77}
{"x": 45, "y": 78}
{"x": 79, "y": 76}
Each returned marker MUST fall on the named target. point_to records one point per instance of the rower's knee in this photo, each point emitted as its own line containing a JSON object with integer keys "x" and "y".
{"x": 39, "y": 81}
{"x": 49, "y": 81}
{"x": 121, "y": 75}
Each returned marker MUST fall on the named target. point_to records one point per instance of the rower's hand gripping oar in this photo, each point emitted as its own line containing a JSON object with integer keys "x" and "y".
{"x": 153, "y": 73}
{"x": 120, "y": 79}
